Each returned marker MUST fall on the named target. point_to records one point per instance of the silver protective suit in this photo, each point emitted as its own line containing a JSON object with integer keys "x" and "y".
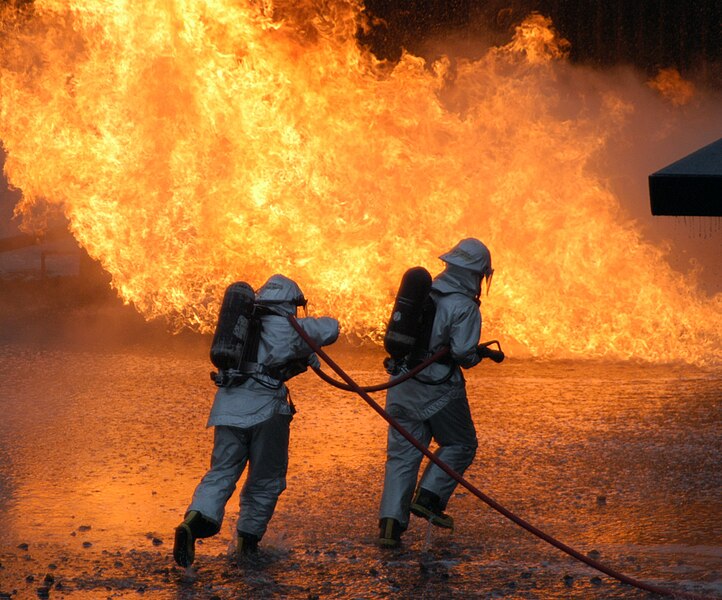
{"x": 439, "y": 411}
{"x": 252, "y": 420}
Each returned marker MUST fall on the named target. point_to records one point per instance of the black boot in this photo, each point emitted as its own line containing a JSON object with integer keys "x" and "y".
{"x": 427, "y": 505}
{"x": 193, "y": 527}
{"x": 247, "y": 544}
{"x": 390, "y": 533}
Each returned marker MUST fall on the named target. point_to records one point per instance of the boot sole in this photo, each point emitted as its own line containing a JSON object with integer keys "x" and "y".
{"x": 184, "y": 546}
{"x": 445, "y": 522}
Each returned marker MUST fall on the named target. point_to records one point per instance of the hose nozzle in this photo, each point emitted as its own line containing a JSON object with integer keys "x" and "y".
{"x": 484, "y": 351}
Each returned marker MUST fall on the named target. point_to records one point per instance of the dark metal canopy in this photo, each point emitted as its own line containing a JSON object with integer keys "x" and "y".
{"x": 691, "y": 187}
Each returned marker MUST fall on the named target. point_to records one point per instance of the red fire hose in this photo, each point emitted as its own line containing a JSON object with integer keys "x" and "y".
{"x": 481, "y": 495}
{"x": 495, "y": 355}
{"x": 388, "y": 384}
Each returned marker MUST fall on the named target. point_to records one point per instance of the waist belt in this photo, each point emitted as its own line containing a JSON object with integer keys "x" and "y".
{"x": 247, "y": 370}
{"x": 417, "y": 357}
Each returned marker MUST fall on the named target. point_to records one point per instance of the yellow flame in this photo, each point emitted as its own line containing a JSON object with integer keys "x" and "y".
{"x": 191, "y": 144}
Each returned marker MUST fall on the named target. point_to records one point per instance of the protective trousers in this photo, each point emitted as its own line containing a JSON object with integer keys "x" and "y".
{"x": 453, "y": 430}
{"x": 265, "y": 446}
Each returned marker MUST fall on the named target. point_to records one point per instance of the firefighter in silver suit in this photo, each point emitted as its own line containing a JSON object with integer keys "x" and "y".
{"x": 251, "y": 422}
{"x": 434, "y": 404}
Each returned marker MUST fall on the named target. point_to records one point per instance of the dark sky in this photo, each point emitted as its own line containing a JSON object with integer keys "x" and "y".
{"x": 650, "y": 34}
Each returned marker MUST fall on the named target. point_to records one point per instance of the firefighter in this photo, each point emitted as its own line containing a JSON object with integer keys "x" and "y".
{"x": 434, "y": 404}
{"x": 251, "y": 417}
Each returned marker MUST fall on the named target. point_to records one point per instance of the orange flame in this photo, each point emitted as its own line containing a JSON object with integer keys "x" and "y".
{"x": 670, "y": 84}
{"x": 191, "y": 144}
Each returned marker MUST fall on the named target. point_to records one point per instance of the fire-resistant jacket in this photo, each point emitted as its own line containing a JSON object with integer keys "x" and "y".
{"x": 261, "y": 396}
{"x": 457, "y": 324}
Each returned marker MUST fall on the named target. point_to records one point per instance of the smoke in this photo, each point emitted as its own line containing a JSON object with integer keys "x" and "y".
{"x": 661, "y": 132}
{"x": 660, "y": 120}
{"x": 8, "y": 200}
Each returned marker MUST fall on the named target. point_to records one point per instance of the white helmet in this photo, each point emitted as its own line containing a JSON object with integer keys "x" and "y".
{"x": 280, "y": 290}
{"x": 473, "y": 255}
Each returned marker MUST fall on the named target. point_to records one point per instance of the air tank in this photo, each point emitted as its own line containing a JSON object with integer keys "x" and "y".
{"x": 232, "y": 327}
{"x": 403, "y": 329}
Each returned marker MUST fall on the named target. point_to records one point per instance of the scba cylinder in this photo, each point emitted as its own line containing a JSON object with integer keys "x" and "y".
{"x": 403, "y": 329}
{"x": 232, "y": 327}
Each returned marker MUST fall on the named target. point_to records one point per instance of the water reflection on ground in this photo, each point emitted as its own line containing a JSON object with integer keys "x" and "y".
{"x": 102, "y": 444}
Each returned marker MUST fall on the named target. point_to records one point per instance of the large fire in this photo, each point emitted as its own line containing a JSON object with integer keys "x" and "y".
{"x": 190, "y": 144}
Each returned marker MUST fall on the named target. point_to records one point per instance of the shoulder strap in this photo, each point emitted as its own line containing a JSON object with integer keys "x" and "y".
{"x": 249, "y": 356}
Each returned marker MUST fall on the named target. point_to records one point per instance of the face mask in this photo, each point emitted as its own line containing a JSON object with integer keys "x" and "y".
{"x": 488, "y": 277}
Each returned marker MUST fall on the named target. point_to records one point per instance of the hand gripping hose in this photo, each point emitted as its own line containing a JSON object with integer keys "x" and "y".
{"x": 481, "y": 495}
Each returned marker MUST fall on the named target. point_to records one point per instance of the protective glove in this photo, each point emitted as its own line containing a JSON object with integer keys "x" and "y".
{"x": 391, "y": 366}
{"x": 313, "y": 361}
{"x": 483, "y": 351}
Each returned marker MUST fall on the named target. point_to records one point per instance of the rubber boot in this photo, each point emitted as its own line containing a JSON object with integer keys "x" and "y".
{"x": 247, "y": 545}
{"x": 193, "y": 527}
{"x": 390, "y": 533}
{"x": 427, "y": 505}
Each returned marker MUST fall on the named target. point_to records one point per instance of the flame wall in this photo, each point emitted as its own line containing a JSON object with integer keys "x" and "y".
{"x": 192, "y": 143}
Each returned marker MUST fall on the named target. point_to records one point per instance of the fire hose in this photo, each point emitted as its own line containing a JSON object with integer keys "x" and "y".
{"x": 484, "y": 350}
{"x": 388, "y": 384}
{"x": 353, "y": 386}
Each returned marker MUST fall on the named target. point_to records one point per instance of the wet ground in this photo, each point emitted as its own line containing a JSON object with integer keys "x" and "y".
{"x": 102, "y": 441}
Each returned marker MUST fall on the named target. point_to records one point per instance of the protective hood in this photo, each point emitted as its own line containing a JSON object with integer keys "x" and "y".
{"x": 473, "y": 255}
{"x": 458, "y": 279}
{"x": 470, "y": 254}
{"x": 282, "y": 293}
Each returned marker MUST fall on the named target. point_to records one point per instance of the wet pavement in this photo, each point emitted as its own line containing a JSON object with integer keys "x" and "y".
{"x": 102, "y": 441}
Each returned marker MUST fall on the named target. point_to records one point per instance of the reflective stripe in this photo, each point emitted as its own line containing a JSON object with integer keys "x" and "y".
{"x": 400, "y": 337}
